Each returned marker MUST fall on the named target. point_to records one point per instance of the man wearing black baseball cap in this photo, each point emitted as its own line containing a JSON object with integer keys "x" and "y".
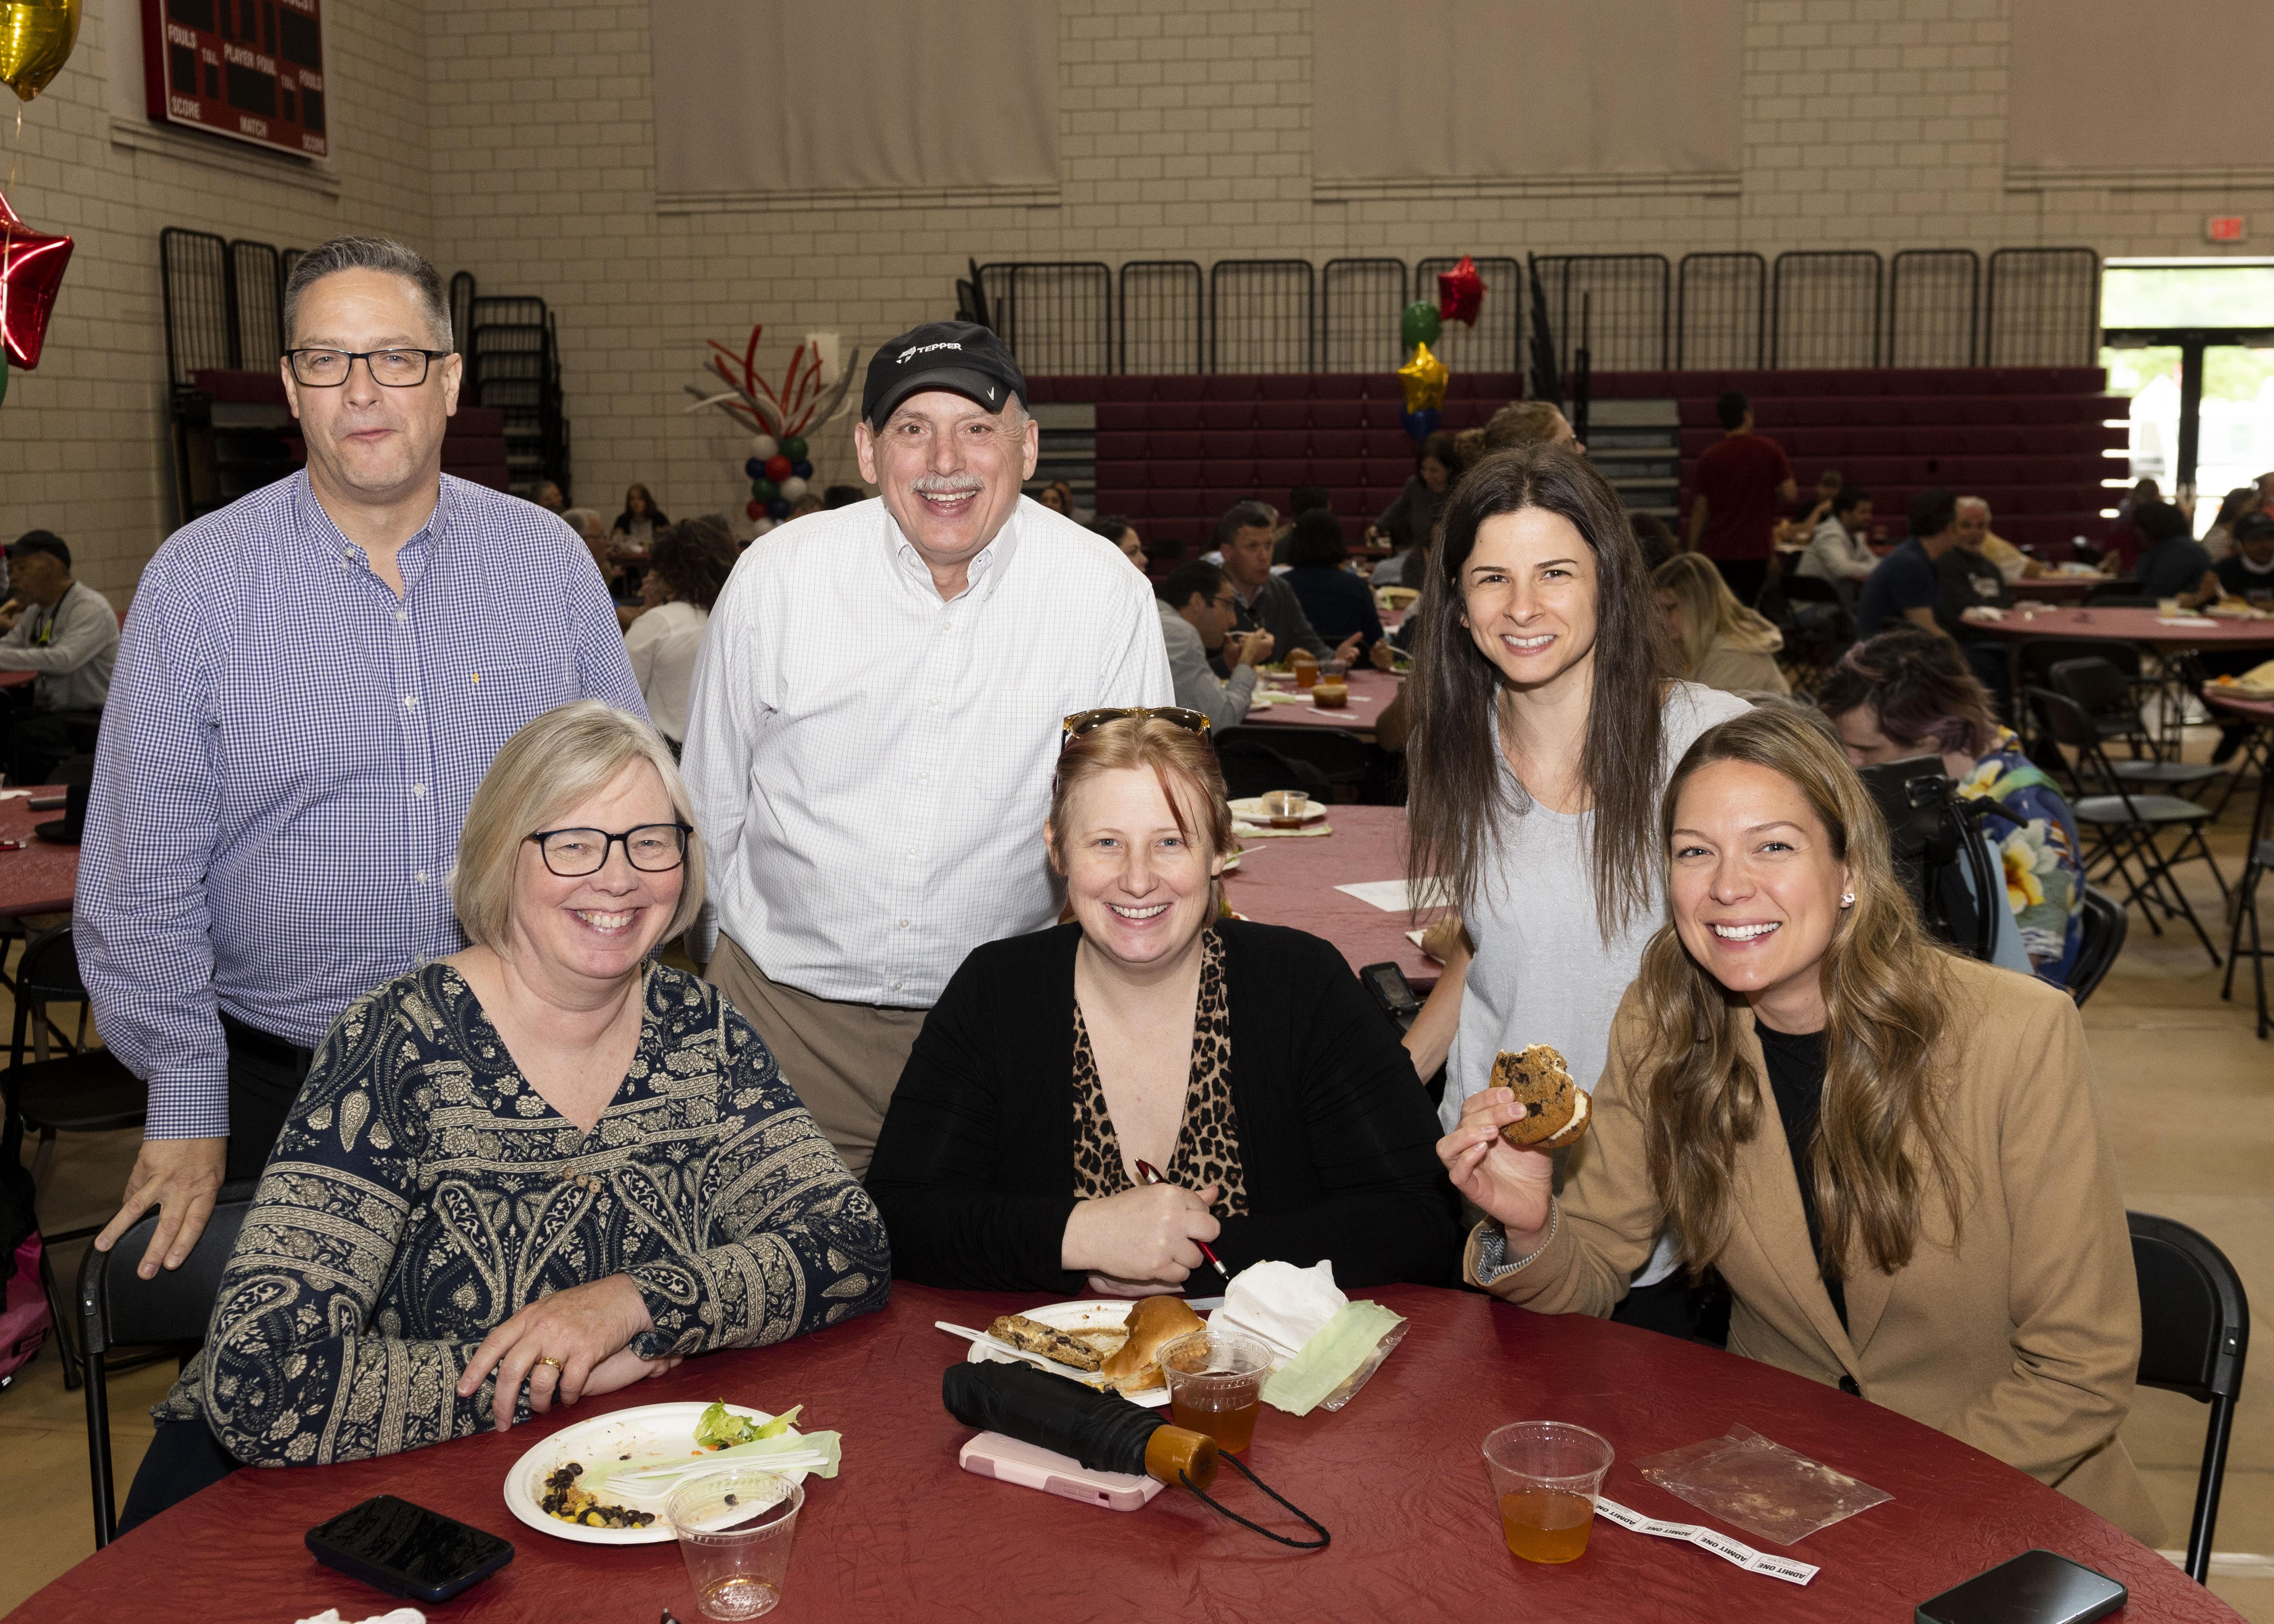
{"x": 876, "y": 720}
{"x": 68, "y": 633}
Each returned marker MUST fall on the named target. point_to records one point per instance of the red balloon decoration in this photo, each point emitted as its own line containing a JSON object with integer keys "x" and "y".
{"x": 778, "y": 468}
{"x": 754, "y": 510}
{"x": 1460, "y": 292}
{"x": 30, "y": 268}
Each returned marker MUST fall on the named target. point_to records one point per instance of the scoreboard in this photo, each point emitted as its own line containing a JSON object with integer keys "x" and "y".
{"x": 250, "y": 70}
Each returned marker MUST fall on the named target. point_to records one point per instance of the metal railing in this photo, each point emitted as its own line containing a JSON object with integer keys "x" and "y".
{"x": 1722, "y": 311}
{"x": 1933, "y": 307}
{"x": 1163, "y": 317}
{"x": 2044, "y": 308}
{"x": 1056, "y": 315}
{"x": 1262, "y": 314}
{"x": 1823, "y": 308}
{"x": 1360, "y": 302}
{"x": 1625, "y": 301}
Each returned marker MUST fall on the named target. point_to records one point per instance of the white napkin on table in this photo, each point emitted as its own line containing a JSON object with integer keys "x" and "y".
{"x": 1279, "y": 1306}
{"x": 401, "y": 1615}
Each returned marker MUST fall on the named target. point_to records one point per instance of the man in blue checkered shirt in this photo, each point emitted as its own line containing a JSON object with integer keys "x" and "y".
{"x": 311, "y": 684}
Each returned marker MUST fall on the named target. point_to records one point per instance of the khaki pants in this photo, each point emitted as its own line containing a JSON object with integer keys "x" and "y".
{"x": 843, "y": 1059}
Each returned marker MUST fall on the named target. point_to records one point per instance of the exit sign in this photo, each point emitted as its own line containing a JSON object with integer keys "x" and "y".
{"x": 2226, "y": 229}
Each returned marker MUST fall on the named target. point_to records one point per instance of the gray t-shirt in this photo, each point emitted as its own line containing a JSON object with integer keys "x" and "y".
{"x": 1543, "y": 972}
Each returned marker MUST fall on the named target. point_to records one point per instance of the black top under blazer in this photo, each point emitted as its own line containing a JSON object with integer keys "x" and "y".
{"x": 973, "y": 1167}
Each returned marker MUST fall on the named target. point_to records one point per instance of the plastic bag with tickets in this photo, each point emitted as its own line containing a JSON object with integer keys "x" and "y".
{"x": 1759, "y": 1485}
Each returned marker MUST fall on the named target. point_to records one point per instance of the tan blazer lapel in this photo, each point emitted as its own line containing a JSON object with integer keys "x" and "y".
{"x": 1868, "y": 1288}
{"x": 1768, "y": 1203}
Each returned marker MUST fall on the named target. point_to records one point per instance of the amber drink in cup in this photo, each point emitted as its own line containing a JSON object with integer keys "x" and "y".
{"x": 1216, "y": 1385}
{"x": 1286, "y": 808}
{"x": 1304, "y": 665}
{"x": 1332, "y": 689}
{"x": 1546, "y": 1476}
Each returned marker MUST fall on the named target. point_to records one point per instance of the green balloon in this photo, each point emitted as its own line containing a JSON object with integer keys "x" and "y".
{"x": 765, "y": 490}
{"x": 793, "y": 449}
{"x": 1421, "y": 324}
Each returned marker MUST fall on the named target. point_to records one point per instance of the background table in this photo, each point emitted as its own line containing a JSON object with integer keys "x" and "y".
{"x": 1370, "y": 694}
{"x": 2140, "y": 626}
{"x": 905, "y": 1534}
{"x": 17, "y": 679}
{"x": 43, "y": 877}
{"x": 1291, "y": 881}
{"x": 2059, "y": 587}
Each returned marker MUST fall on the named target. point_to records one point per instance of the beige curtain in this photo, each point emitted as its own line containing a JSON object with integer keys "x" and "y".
{"x": 1446, "y": 89}
{"x": 2118, "y": 84}
{"x": 753, "y": 96}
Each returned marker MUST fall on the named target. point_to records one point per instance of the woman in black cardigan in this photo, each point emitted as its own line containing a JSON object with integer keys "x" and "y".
{"x": 1243, "y": 1060}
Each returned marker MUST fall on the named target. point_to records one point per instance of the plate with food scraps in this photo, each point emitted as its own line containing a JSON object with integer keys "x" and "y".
{"x": 650, "y": 1432}
{"x": 1250, "y": 810}
{"x": 1099, "y": 1321}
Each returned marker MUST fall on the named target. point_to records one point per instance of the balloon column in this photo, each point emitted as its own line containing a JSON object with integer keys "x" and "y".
{"x": 780, "y": 465}
{"x": 1423, "y": 378}
{"x": 36, "y": 37}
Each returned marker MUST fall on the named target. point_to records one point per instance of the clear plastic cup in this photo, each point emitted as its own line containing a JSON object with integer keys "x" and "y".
{"x": 1546, "y": 1476}
{"x": 1286, "y": 808}
{"x": 734, "y": 1528}
{"x": 1216, "y": 1385}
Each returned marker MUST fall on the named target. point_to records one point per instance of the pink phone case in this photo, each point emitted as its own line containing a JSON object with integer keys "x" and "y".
{"x": 991, "y": 1454}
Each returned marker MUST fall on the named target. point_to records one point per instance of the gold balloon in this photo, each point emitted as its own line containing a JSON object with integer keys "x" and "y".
{"x": 36, "y": 37}
{"x": 1423, "y": 379}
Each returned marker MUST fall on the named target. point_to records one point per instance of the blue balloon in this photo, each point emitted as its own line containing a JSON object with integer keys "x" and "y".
{"x": 803, "y": 470}
{"x": 1422, "y": 424}
{"x": 777, "y": 510}
{"x": 755, "y": 469}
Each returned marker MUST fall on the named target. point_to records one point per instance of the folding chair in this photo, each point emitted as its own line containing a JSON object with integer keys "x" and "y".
{"x": 2103, "y": 693}
{"x": 2246, "y": 907}
{"x": 2127, "y": 823}
{"x": 2194, "y": 1333}
{"x": 2105, "y": 924}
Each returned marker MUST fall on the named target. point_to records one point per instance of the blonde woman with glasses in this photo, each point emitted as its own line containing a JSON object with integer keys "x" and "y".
{"x": 1891, "y": 1154}
{"x": 532, "y": 1172}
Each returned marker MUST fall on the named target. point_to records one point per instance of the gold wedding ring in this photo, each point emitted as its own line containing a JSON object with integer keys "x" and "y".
{"x": 547, "y": 1359}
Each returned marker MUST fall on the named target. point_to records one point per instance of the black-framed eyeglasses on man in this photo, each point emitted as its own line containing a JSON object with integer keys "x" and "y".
{"x": 395, "y": 369}
{"x": 651, "y": 848}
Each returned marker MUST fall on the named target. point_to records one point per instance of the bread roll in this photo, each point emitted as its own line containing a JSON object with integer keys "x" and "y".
{"x": 1154, "y": 1323}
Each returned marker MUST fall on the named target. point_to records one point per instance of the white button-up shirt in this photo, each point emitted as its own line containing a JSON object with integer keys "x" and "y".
{"x": 871, "y": 765}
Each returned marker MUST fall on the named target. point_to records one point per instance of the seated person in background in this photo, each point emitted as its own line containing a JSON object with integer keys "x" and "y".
{"x": 1840, "y": 547}
{"x": 69, "y": 634}
{"x": 547, "y": 495}
{"x": 809, "y": 503}
{"x": 1968, "y": 580}
{"x": 1892, "y": 1154}
{"x": 1265, "y": 601}
{"x": 1651, "y": 535}
{"x": 1301, "y": 500}
{"x": 1529, "y": 423}
{"x": 1196, "y": 613}
{"x": 841, "y": 496}
{"x": 2172, "y": 563}
{"x": 1907, "y": 693}
{"x": 1057, "y": 496}
{"x": 529, "y": 1173}
{"x": 2121, "y": 547}
{"x": 1338, "y": 603}
{"x": 637, "y": 525}
{"x": 622, "y": 590}
{"x": 1974, "y": 532}
{"x": 1243, "y": 1061}
{"x": 1408, "y": 523}
{"x": 1717, "y": 640}
{"x": 2237, "y": 505}
{"x": 1823, "y": 500}
{"x": 2247, "y": 573}
{"x": 1903, "y": 585}
{"x": 1122, "y": 532}
{"x": 687, "y": 567}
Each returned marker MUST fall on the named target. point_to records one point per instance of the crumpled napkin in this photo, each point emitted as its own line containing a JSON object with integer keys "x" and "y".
{"x": 401, "y": 1615}
{"x": 1280, "y": 1305}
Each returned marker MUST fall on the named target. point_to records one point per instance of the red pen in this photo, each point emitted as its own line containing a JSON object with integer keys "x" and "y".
{"x": 1152, "y": 1175}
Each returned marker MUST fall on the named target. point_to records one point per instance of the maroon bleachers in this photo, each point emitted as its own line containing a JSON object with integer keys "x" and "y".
{"x": 1173, "y": 451}
{"x": 2027, "y": 439}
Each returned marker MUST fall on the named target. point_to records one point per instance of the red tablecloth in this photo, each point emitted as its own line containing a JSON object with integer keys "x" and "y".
{"x": 1291, "y": 880}
{"x": 904, "y": 1534}
{"x": 2260, "y": 710}
{"x": 2130, "y": 626}
{"x": 42, "y": 878}
{"x": 1370, "y": 692}
{"x": 17, "y": 679}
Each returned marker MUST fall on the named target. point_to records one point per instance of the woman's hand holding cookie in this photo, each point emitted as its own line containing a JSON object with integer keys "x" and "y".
{"x": 1512, "y": 1186}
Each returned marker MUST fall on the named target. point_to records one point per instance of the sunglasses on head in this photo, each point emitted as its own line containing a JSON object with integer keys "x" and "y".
{"x": 1088, "y": 721}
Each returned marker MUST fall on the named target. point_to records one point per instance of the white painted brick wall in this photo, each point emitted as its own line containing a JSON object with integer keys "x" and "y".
{"x": 516, "y": 141}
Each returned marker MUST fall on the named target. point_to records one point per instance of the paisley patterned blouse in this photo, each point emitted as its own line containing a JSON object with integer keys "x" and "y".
{"x": 422, "y": 1193}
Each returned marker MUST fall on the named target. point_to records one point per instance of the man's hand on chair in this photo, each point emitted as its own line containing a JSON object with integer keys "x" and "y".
{"x": 180, "y": 1177}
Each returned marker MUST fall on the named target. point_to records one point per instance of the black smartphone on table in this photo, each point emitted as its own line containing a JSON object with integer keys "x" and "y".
{"x": 406, "y": 1549}
{"x": 2036, "y": 1587}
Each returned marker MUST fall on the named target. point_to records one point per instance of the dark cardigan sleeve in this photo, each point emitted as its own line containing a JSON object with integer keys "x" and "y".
{"x": 1335, "y": 1129}
{"x": 964, "y": 1173}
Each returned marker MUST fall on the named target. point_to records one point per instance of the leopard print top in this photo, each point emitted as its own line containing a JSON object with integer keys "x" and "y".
{"x": 1207, "y": 1139}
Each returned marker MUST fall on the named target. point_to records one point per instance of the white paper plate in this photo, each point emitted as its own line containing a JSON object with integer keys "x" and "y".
{"x": 1091, "y": 1315}
{"x": 1251, "y": 808}
{"x": 650, "y": 1429}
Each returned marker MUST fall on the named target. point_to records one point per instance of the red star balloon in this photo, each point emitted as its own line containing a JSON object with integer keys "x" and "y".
{"x": 1460, "y": 291}
{"x": 30, "y": 268}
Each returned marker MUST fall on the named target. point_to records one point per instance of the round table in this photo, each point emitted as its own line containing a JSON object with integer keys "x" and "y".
{"x": 2057, "y": 586}
{"x": 1370, "y": 694}
{"x": 2139, "y": 626}
{"x": 41, "y": 876}
{"x": 1290, "y": 880}
{"x": 903, "y": 1533}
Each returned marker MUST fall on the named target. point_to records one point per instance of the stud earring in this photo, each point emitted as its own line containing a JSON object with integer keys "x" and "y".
{"x": 1848, "y": 901}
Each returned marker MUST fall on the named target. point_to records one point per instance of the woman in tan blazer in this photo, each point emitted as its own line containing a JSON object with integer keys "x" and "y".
{"x": 1891, "y": 1153}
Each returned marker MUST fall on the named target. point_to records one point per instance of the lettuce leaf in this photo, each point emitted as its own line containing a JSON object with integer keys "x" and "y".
{"x": 721, "y": 1428}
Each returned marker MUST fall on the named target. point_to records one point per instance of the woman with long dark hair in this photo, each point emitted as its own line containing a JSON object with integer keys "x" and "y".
{"x": 1545, "y": 718}
{"x": 636, "y": 525}
{"x": 1889, "y": 1152}
{"x": 688, "y": 568}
